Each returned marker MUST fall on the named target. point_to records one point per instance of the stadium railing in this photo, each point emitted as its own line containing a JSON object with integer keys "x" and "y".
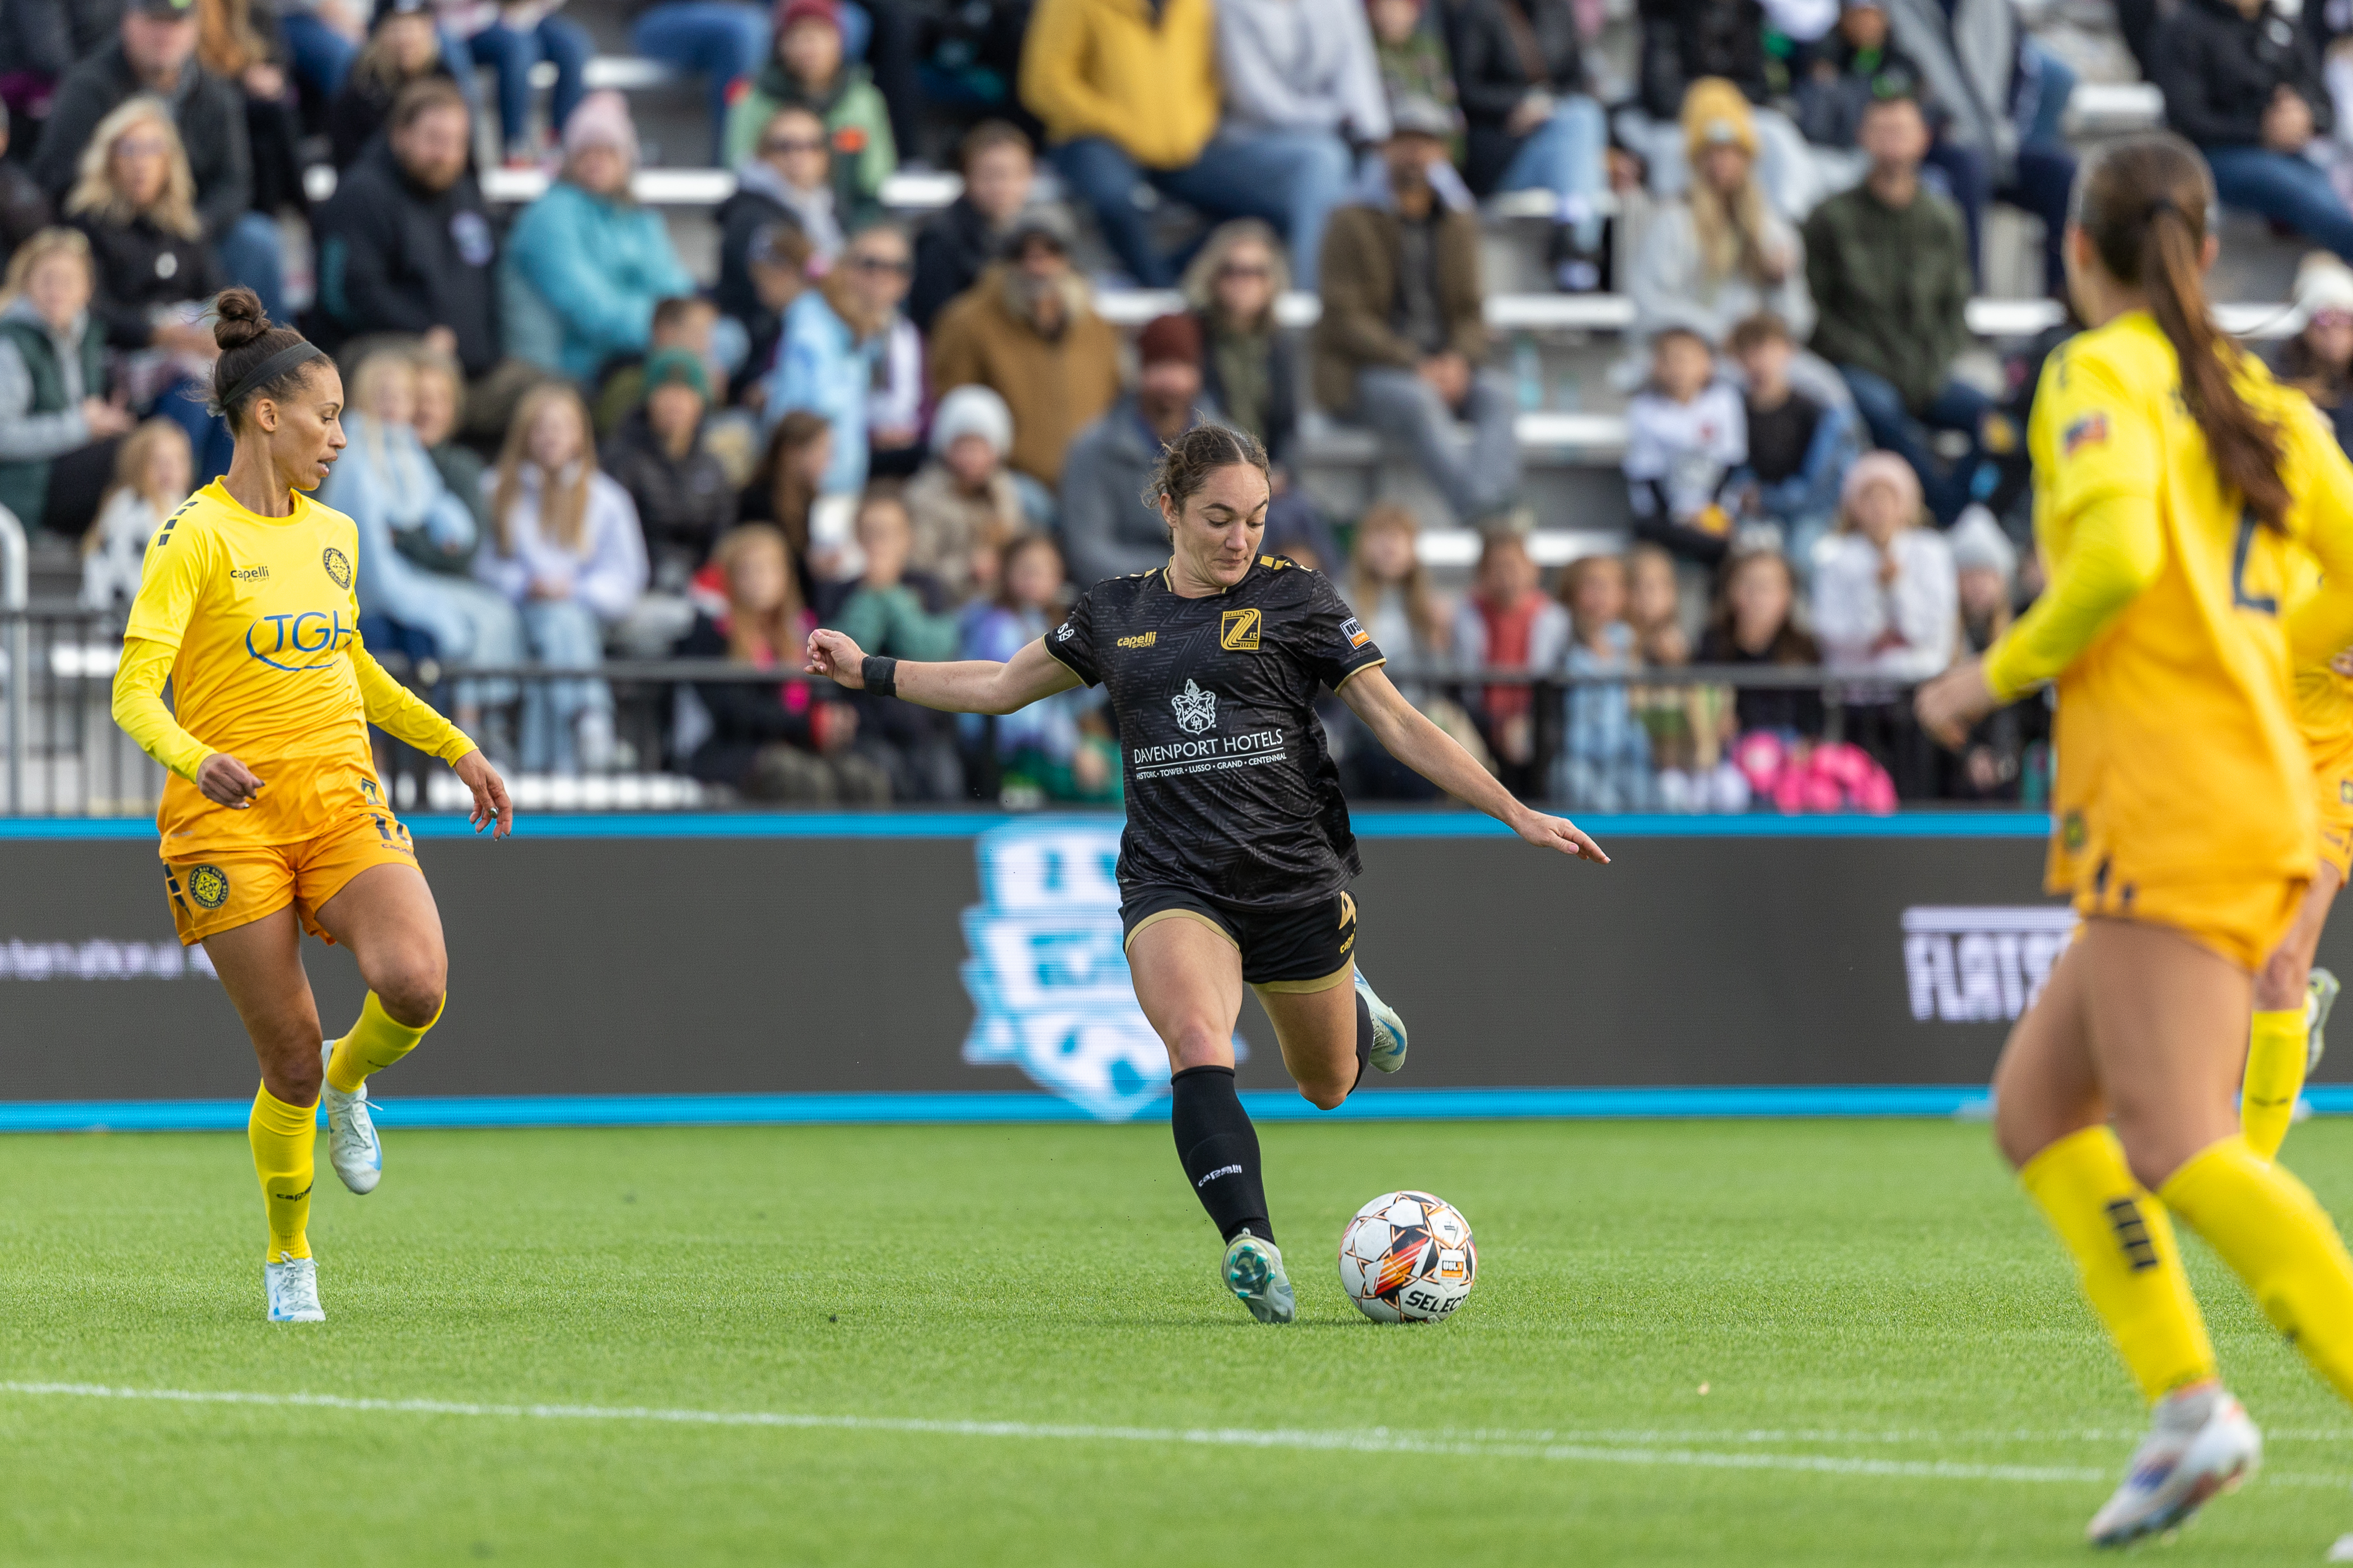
{"x": 66, "y": 758}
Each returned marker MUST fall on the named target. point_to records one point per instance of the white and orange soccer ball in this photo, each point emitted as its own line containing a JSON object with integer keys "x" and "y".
{"x": 1408, "y": 1257}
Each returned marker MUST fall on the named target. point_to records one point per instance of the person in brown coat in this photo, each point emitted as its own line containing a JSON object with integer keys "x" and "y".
{"x": 1027, "y": 331}
{"x": 1403, "y": 331}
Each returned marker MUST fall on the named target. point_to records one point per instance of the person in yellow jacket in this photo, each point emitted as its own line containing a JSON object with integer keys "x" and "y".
{"x": 2176, "y": 483}
{"x": 1128, "y": 92}
{"x": 273, "y": 821}
{"x": 2292, "y": 996}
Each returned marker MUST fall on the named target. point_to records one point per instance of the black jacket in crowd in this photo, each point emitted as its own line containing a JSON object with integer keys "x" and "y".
{"x": 141, "y": 269}
{"x": 2218, "y": 71}
{"x": 684, "y": 504}
{"x": 744, "y": 714}
{"x": 1281, "y": 412}
{"x": 1684, "y": 40}
{"x": 209, "y": 113}
{"x": 25, "y": 208}
{"x": 45, "y": 37}
{"x": 1491, "y": 77}
{"x": 950, "y": 252}
{"x": 395, "y": 257}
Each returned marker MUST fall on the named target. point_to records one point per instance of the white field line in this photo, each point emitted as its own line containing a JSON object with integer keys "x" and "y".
{"x": 1376, "y": 1440}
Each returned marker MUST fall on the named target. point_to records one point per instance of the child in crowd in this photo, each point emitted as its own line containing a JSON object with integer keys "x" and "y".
{"x": 886, "y": 615}
{"x": 805, "y": 66}
{"x": 1854, "y": 64}
{"x": 2319, "y": 357}
{"x": 1413, "y": 62}
{"x": 1685, "y": 433}
{"x": 1755, "y": 623}
{"x": 1057, "y": 749}
{"x": 683, "y": 499}
{"x": 1885, "y": 605}
{"x": 1389, "y": 586}
{"x": 441, "y": 408}
{"x": 565, "y": 548}
{"x": 963, "y": 503}
{"x": 1507, "y": 623}
{"x": 1798, "y": 449}
{"x": 685, "y": 322}
{"x": 153, "y": 472}
{"x": 1605, "y": 754}
{"x": 770, "y": 742}
{"x": 1985, "y": 575}
{"x": 784, "y": 489}
{"x": 1687, "y": 724}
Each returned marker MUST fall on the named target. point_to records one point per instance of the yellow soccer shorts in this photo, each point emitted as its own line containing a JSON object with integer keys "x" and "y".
{"x": 2243, "y": 920}
{"x": 221, "y": 889}
{"x": 2332, "y": 779}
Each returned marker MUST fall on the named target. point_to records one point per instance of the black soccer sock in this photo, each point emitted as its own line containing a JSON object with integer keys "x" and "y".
{"x": 1220, "y": 1150}
{"x": 1363, "y": 1040}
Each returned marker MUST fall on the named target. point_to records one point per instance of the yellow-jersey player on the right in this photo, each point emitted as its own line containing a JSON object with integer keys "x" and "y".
{"x": 2177, "y": 489}
{"x": 2292, "y": 997}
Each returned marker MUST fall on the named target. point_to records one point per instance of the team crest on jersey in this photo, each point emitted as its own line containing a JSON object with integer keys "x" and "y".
{"x": 338, "y": 565}
{"x": 208, "y": 885}
{"x": 1196, "y": 709}
{"x": 2091, "y": 430}
{"x": 369, "y": 793}
{"x": 1238, "y": 631}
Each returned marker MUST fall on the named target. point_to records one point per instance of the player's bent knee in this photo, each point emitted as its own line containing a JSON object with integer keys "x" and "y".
{"x": 1324, "y": 1096}
{"x": 1199, "y": 1045}
{"x": 411, "y": 992}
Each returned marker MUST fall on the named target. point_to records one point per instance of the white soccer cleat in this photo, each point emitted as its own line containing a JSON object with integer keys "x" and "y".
{"x": 2200, "y": 1445}
{"x": 353, "y": 1147}
{"x": 1253, "y": 1272}
{"x": 1388, "y": 1030}
{"x": 293, "y": 1289}
{"x": 2319, "y": 995}
{"x": 2342, "y": 1552}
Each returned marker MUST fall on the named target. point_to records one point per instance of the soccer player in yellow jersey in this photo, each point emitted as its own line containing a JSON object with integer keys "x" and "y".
{"x": 2175, "y": 484}
{"x": 273, "y": 820}
{"x": 2292, "y": 997}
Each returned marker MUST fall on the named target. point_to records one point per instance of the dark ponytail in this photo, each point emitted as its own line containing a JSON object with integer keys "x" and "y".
{"x": 2143, "y": 201}
{"x": 1187, "y": 462}
{"x": 249, "y": 343}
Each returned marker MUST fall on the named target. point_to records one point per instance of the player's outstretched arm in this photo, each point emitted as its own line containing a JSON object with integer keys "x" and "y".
{"x": 1430, "y": 751}
{"x": 963, "y": 686}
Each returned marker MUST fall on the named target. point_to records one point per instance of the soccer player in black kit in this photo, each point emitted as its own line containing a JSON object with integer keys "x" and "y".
{"x": 1236, "y": 860}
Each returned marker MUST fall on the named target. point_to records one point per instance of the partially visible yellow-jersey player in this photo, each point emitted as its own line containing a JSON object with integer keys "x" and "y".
{"x": 2292, "y": 997}
{"x": 2177, "y": 488}
{"x": 274, "y": 820}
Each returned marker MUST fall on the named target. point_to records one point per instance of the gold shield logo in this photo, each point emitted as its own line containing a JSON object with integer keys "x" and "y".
{"x": 1238, "y": 631}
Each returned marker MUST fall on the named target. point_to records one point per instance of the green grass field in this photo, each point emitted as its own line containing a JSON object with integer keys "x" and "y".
{"x": 1725, "y": 1343}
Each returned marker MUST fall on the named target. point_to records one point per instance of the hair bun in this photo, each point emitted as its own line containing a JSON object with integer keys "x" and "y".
{"x": 239, "y": 319}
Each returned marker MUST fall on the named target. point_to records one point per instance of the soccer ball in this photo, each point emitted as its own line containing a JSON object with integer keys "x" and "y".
{"x": 1408, "y": 1257}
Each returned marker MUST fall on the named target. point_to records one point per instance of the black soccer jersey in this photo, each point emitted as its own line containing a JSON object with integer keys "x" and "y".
{"x": 1230, "y": 787}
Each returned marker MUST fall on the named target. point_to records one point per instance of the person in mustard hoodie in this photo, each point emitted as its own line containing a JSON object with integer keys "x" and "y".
{"x": 1128, "y": 91}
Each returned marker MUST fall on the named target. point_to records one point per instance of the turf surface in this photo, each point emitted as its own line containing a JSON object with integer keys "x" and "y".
{"x": 1797, "y": 1342}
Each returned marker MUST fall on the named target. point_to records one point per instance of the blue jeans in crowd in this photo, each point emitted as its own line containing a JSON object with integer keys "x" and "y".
{"x": 561, "y": 635}
{"x": 2285, "y": 189}
{"x": 1292, "y": 179}
{"x": 252, "y": 252}
{"x": 1563, "y": 156}
{"x": 323, "y": 56}
{"x": 1957, "y": 406}
{"x": 512, "y": 54}
{"x": 723, "y": 41}
{"x": 1406, "y": 411}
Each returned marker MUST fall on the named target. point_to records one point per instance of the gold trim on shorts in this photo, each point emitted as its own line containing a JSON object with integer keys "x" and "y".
{"x": 1158, "y": 915}
{"x": 1306, "y": 987}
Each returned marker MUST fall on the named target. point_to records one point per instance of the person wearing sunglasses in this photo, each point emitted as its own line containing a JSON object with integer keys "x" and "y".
{"x": 847, "y": 355}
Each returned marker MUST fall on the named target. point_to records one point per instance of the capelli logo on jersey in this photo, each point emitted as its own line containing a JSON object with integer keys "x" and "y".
{"x": 298, "y": 642}
{"x": 1980, "y": 965}
{"x": 250, "y": 573}
{"x": 1140, "y": 639}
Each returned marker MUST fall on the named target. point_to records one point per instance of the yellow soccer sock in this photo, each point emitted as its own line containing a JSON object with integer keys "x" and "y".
{"x": 282, "y": 1136}
{"x": 2274, "y": 1078}
{"x": 2126, "y": 1256}
{"x": 2270, "y": 1229}
{"x": 371, "y": 1045}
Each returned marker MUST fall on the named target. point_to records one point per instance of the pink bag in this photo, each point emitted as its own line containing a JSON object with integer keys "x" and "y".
{"x": 1813, "y": 776}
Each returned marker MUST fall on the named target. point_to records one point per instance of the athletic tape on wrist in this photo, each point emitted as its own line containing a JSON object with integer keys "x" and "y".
{"x": 881, "y": 675}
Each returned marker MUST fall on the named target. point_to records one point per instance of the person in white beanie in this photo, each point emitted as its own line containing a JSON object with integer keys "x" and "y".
{"x": 1985, "y": 574}
{"x": 2319, "y": 357}
{"x": 963, "y": 503}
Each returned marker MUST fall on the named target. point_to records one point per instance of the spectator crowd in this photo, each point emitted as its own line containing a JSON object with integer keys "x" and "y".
{"x": 567, "y": 448}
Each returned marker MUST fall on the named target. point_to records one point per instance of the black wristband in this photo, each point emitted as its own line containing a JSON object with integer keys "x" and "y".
{"x": 880, "y": 675}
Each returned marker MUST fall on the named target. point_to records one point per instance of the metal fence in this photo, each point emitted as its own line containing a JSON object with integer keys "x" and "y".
{"x": 64, "y": 756}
